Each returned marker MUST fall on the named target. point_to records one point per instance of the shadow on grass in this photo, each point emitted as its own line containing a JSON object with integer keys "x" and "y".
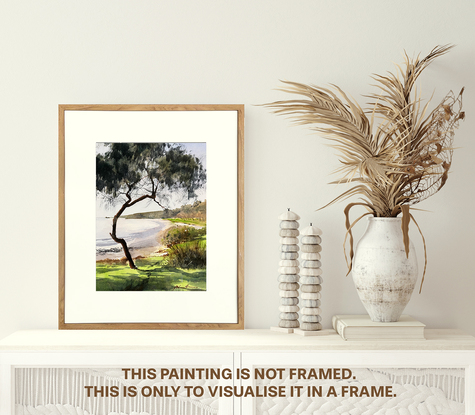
{"x": 150, "y": 276}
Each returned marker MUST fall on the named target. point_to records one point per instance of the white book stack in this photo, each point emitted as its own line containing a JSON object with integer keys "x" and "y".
{"x": 360, "y": 327}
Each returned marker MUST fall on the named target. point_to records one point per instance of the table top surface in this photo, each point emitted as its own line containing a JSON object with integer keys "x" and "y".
{"x": 236, "y": 340}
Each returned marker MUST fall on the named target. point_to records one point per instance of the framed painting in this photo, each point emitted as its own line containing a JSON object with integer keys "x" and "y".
{"x": 151, "y": 220}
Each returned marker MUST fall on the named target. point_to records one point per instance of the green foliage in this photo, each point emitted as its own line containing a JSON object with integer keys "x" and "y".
{"x": 182, "y": 234}
{"x": 145, "y": 169}
{"x": 188, "y": 255}
{"x": 196, "y": 210}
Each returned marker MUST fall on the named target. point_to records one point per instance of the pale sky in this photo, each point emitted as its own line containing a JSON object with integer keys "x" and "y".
{"x": 197, "y": 149}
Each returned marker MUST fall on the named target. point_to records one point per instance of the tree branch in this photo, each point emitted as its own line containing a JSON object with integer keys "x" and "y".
{"x": 158, "y": 203}
{"x": 139, "y": 200}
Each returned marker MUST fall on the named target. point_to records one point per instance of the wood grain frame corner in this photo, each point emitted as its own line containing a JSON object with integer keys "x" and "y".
{"x": 62, "y": 325}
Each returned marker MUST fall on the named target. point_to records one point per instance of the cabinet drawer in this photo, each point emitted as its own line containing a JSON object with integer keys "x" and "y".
{"x": 96, "y": 383}
{"x": 399, "y": 382}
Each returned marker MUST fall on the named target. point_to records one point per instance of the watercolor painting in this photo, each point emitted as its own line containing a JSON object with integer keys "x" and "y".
{"x": 150, "y": 216}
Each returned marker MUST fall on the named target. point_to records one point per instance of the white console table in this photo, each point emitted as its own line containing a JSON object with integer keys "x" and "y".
{"x": 45, "y": 371}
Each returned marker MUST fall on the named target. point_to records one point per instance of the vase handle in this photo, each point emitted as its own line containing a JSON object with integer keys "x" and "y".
{"x": 348, "y": 232}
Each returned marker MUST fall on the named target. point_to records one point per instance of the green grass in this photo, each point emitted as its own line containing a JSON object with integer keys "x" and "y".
{"x": 188, "y": 255}
{"x": 152, "y": 275}
{"x": 188, "y": 221}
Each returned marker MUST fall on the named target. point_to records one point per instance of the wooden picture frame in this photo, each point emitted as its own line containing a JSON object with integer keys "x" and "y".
{"x": 212, "y": 136}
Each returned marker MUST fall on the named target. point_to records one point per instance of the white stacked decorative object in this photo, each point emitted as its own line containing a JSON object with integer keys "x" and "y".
{"x": 311, "y": 280}
{"x": 288, "y": 273}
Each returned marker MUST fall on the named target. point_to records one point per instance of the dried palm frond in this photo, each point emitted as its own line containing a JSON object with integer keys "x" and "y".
{"x": 400, "y": 161}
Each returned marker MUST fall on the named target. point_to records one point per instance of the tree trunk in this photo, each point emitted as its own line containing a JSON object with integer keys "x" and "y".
{"x": 121, "y": 241}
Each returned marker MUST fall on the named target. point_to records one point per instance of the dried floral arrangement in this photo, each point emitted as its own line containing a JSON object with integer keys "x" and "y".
{"x": 395, "y": 153}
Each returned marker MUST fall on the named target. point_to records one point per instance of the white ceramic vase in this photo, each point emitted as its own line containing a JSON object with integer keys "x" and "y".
{"x": 384, "y": 277}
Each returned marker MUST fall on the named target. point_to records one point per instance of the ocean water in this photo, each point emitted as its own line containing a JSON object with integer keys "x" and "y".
{"x": 138, "y": 233}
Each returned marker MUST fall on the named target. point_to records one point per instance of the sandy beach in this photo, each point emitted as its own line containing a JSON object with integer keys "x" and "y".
{"x": 143, "y": 237}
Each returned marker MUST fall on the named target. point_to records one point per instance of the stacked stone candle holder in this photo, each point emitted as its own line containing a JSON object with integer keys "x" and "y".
{"x": 311, "y": 281}
{"x": 288, "y": 273}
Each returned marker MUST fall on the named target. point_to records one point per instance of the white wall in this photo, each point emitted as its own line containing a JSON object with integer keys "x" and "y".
{"x": 217, "y": 51}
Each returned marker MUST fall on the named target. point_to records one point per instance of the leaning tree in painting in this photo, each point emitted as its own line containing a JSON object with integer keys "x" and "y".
{"x": 129, "y": 173}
